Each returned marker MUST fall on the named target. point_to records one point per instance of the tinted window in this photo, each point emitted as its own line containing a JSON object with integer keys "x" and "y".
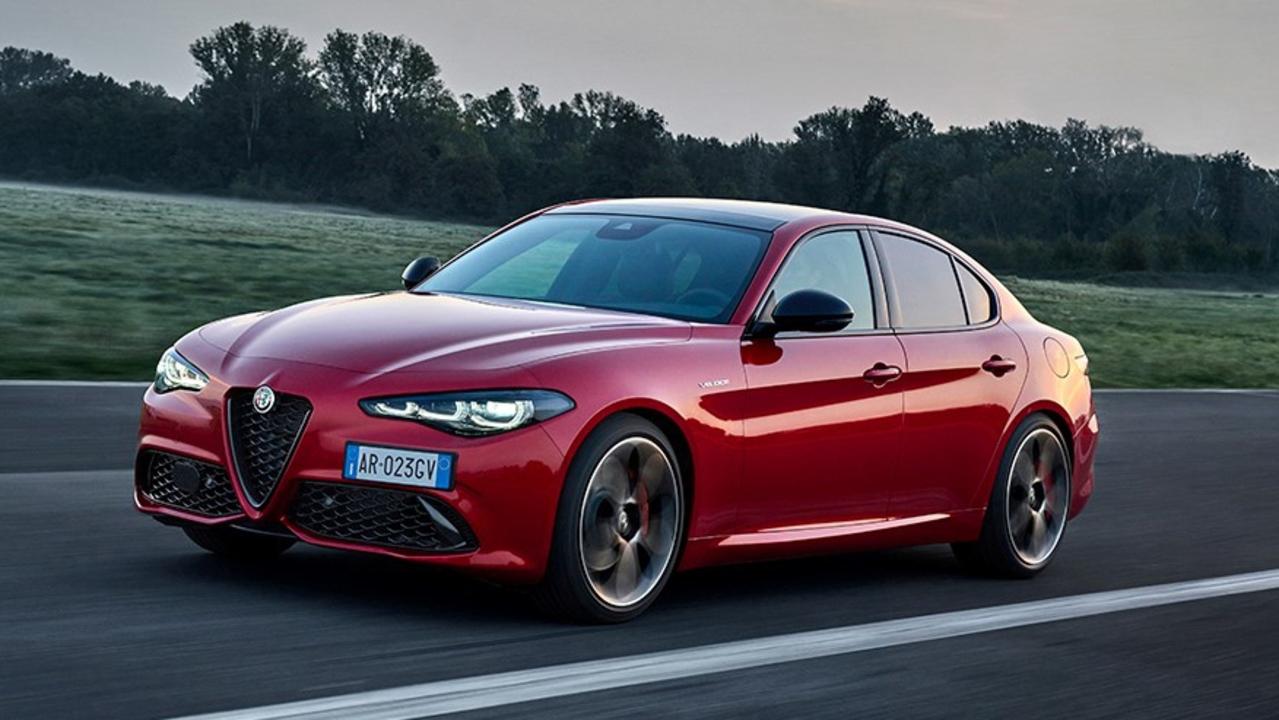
{"x": 924, "y": 283}
{"x": 687, "y": 270}
{"x": 976, "y": 295}
{"x": 835, "y": 263}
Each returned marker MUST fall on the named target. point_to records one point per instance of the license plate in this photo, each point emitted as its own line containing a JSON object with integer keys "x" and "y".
{"x": 398, "y": 466}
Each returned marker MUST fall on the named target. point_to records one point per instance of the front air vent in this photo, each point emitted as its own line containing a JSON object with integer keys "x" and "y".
{"x": 188, "y": 485}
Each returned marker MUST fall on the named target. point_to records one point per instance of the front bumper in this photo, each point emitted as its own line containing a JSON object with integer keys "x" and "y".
{"x": 497, "y": 520}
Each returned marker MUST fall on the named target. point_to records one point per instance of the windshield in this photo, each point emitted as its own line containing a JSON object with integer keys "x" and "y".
{"x": 685, "y": 270}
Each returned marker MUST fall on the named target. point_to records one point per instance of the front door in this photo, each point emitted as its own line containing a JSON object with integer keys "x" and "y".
{"x": 821, "y": 438}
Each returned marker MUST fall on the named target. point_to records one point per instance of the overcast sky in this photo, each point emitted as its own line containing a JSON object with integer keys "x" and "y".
{"x": 1196, "y": 75}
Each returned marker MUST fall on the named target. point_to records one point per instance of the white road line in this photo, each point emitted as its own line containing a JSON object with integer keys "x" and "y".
{"x": 74, "y": 383}
{"x": 1166, "y": 391}
{"x": 485, "y": 691}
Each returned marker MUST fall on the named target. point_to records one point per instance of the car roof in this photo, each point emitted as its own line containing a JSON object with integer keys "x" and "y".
{"x": 765, "y": 216}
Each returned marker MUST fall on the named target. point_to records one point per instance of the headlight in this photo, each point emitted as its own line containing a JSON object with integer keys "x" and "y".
{"x": 473, "y": 413}
{"x": 175, "y": 372}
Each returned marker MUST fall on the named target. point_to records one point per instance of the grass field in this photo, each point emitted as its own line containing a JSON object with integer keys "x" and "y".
{"x": 96, "y": 284}
{"x": 1140, "y": 337}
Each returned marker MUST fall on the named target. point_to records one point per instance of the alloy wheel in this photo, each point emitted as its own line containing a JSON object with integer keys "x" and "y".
{"x": 1038, "y": 496}
{"x": 630, "y": 521}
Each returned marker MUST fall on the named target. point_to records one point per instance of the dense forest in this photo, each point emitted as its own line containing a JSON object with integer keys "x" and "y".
{"x": 367, "y": 121}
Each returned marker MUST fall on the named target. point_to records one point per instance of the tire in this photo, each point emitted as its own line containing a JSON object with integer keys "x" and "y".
{"x": 620, "y": 518}
{"x": 1029, "y": 505}
{"x": 237, "y": 545}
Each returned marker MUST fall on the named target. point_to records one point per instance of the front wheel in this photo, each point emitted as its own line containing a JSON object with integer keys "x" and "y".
{"x": 1028, "y": 506}
{"x": 238, "y": 545}
{"x": 619, "y": 525}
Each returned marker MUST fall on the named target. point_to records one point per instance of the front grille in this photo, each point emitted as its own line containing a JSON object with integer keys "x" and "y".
{"x": 376, "y": 516}
{"x": 262, "y": 443}
{"x": 189, "y": 485}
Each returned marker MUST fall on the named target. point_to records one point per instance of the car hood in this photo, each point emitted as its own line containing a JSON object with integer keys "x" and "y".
{"x": 390, "y": 332}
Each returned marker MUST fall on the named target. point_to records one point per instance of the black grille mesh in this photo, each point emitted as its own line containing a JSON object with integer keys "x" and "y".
{"x": 261, "y": 444}
{"x": 376, "y": 516}
{"x": 213, "y": 497}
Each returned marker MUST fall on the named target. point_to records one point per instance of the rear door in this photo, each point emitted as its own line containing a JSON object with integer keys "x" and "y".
{"x": 964, "y": 371}
{"x": 821, "y": 440}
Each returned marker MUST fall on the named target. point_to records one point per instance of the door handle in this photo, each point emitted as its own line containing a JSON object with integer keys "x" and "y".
{"x": 880, "y": 374}
{"x": 998, "y": 366}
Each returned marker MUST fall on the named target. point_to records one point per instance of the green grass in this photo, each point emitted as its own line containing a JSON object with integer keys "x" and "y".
{"x": 95, "y": 284}
{"x": 1143, "y": 337}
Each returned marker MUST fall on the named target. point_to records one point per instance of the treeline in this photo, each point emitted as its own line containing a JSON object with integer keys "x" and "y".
{"x": 368, "y": 121}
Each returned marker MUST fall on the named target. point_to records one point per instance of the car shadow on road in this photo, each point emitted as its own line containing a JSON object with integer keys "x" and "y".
{"x": 843, "y": 572}
{"x": 387, "y": 585}
{"x": 409, "y": 591}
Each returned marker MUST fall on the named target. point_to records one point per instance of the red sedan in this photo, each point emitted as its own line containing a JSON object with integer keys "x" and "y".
{"x": 603, "y": 392}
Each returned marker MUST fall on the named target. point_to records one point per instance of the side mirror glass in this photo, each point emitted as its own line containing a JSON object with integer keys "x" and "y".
{"x": 419, "y": 270}
{"x": 809, "y": 311}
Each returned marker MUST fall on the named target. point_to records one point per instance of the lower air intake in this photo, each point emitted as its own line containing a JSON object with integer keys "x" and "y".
{"x": 188, "y": 485}
{"x": 377, "y": 516}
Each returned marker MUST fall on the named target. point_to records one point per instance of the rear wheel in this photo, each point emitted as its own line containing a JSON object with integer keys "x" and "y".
{"x": 619, "y": 525}
{"x": 1026, "y": 517}
{"x": 235, "y": 544}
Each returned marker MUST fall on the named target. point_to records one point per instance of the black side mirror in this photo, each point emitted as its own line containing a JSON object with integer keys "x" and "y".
{"x": 807, "y": 311}
{"x": 419, "y": 270}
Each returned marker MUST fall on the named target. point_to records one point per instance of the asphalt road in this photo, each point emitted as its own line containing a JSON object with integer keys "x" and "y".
{"x": 105, "y": 613}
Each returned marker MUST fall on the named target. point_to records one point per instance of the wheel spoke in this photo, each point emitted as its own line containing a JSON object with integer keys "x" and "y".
{"x": 1019, "y": 519}
{"x": 1023, "y": 471}
{"x": 633, "y": 465}
{"x": 601, "y": 554}
{"x": 658, "y": 536}
{"x": 599, "y": 534}
{"x": 653, "y": 473}
{"x": 1037, "y": 534}
{"x": 626, "y": 573}
{"x": 611, "y": 480}
{"x": 1049, "y": 481}
{"x": 1046, "y": 462}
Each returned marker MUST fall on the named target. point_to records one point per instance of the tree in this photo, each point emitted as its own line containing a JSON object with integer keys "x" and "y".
{"x": 378, "y": 78}
{"x": 249, "y": 73}
{"x": 629, "y": 151}
{"x": 496, "y": 111}
{"x": 22, "y": 69}
{"x": 835, "y": 156}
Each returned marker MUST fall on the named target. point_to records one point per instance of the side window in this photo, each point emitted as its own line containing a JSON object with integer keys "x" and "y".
{"x": 833, "y": 262}
{"x": 924, "y": 284}
{"x": 977, "y": 297}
